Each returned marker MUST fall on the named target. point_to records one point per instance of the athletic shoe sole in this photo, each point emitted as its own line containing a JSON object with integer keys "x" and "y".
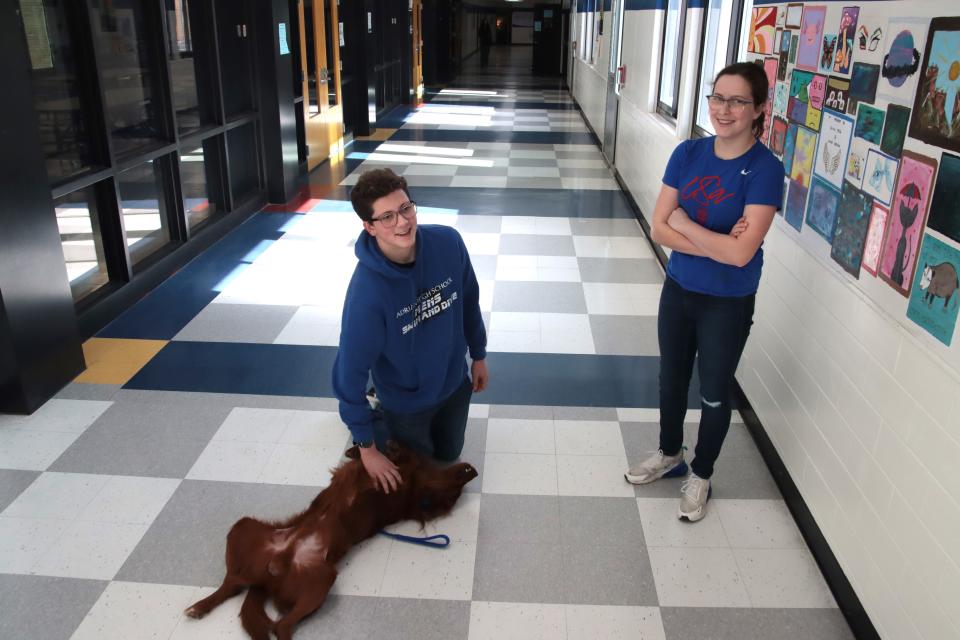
{"x": 673, "y": 472}
{"x": 699, "y": 514}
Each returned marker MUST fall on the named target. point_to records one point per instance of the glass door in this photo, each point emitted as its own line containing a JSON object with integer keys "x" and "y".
{"x": 615, "y": 79}
{"x": 320, "y": 55}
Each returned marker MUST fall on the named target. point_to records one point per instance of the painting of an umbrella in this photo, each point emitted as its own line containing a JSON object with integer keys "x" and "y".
{"x": 911, "y": 191}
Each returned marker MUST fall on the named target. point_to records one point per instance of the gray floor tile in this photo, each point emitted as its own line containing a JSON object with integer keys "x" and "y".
{"x": 543, "y": 297}
{"x": 570, "y": 172}
{"x": 579, "y": 155}
{"x": 12, "y": 484}
{"x": 616, "y": 270}
{"x": 682, "y": 623}
{"x": 45, "y": 607}
{"x": 585, "y": 413}
{"x": 521, "y": 572}
{"x": 185, "y": 543}
{"x": 340, "y": 617}
{"x": 534, "y": 183}
{"x": 228, "y": 400}
{"x": 610, "y": 227}
{"x": 485, "y": 267}
{"x": 83, "y": 391}
{"x": 521, "y": 411}
{"x": 429, "y": 181}
{"x": 477, "y": 459}
{"x": 743, "y": 478}
{"x": 158, "y": 440}
{"x": 624, "y": 335}
{"x": 605, "y": 522}
{"x": 618, "y": 575}
{"x": 409, "y": 619}
{"x": 475, "y": 436}
{"x": 237, "y": 323}
{"x": 532, "y": 245}
{"x": 532, "y": 162}
{"x": 482, "y": 171}
{"x": 513, "y": 519}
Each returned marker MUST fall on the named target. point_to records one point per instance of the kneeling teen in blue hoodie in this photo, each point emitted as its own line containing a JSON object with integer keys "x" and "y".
{"x": 411, "y": 313}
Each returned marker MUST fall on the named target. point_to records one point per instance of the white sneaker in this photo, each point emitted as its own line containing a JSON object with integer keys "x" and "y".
{"x": 655, "y": 467}
{"x": 694, "y": 494}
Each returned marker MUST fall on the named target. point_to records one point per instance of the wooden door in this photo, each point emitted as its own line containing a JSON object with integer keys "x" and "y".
{"x": 322, "y": 98}
{"x": 417, "y": 77}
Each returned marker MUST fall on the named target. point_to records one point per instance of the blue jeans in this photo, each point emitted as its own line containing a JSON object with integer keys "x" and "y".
{"x": 714, "y": 330}
{"x": 437, "y": 432}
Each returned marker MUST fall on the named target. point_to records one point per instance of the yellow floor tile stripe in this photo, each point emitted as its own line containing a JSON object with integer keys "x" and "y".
{"x": 115, "y": 360}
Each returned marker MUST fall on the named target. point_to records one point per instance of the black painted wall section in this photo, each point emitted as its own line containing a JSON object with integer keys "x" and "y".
{"x": 277, "y": 110}
{"x": 40, "y": 348}
{"x": 438, "y": 63}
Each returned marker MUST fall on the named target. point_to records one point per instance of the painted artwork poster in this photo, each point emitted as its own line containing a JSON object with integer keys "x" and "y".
{"x": 945, "y": 205}
{"x": 822, "y": 208}
{"x": 871, "y": 34}
{"x": 796, "y": 199}
{"x": 781, "y": 16}
{"x": 833, "y": 147}
{"x": 843, "y": 57}
{"x": 900, "y": 68}
{"x": 838, "y": 94}
{"x": 869, "y": 123}
{"x": 799, "y": 96}
{"x": 803, "y": 154}
{"x": 789, "y": 146}
{"x": 936, "y": 109}
{"x": 879, "y": 176}
{"x": 817, "y": 91}
{"x": 908, "y": 212}
{"x": 894, "y": 130}
{"x": 934, "y": 297}
{"x": 778, "y": 135}
{"x": 794, "y": 43}
{"x": 863, "y": 82}
{"x": 857, "y": 162}
{"x": 794, "y": 16}
{"x": 770, "y": 68}
{"x": 763, "y": 29}
{"x": 811, "y": 34}
{"x": 780, "y": 95}
{"x": 783, "y": 54}
{"x": 850, "y": 232}
{"x": 813, "y": 118}
{"x": 871, "y": 248}
{"x": 827, "y": 51}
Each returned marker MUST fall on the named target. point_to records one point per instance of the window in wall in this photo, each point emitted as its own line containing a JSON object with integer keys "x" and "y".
{"x": 143, "y": 211}
{"x": 82, "y": 242}
{"x": 670, "y": 64}
{"x": 719, "y": 50}
{"x": 199, "y": 204}
{"x": 616, "y": 42}
{"x": 184, "y": 66}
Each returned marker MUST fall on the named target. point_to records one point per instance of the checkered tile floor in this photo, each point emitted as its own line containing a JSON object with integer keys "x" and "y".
{"x": 114, "y": 502}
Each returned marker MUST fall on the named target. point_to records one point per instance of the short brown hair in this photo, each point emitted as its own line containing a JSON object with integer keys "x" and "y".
{"x": 372, "y": 186}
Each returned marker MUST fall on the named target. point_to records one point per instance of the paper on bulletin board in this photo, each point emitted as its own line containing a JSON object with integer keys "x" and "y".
{"x": 282, "y": 32}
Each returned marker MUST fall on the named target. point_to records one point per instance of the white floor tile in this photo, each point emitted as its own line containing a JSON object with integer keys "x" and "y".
{"x": 482, "y": 244}
{"x": 514, "y": 341}
{"x": 360, "y": 572}
{"x": 232, "y": 461}
{"x": 223, "y": 623}
{"x": 301, "y": 464}
{"x": 512, "y": 621}
{"x": 600, "y": 476}
{"x": 566, "y": 333}
{"x": 589, "y": 437}
{"x": 611, "y": 247}
{"x": 533, "y": 172}
{"x": 783, "y": 578}
{"x": 758, "y": 524}
{"x": 593, "y": 622}
{"x": 605, "y": 298}
{"x": 598, "y": 184}
{"x": 24, "y": 541}
{"x": 460, "y": 525}
{"x": 495, "y": 182}
{"x": 481, "y": 411}
{"x": 520, "y": 474}
{"x": 121, "y": 612}
{"x": 578, "y": 163}
{"x": 486, "y": 294}
{"x": 547, "y": 154}
{"x": 71, "y": 416}
{"x": 319, "y": 428}
{"x": 430, "y": 170}
{"x": 249, "y": 424}
{"x": 637, "y": 414}
{"x": 129, "y": 500}
{"x": 416, "y": 571}
{"x": 90, "y": 550}
{"x": 693, "y": 577}
{"x": 32, "y": 450}
{"x": 514, "y": 321}
{"x": 60, "y": 496}
{"x": 311, "y": 326}
{"x": 520, "y": 436}
{"x": 662, "y": 528}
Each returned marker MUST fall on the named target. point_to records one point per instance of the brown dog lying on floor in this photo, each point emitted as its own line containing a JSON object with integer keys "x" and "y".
{"x": 293, "y": 562}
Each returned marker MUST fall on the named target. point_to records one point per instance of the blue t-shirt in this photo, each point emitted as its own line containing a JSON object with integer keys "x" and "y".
{"x": 714, "y": 193}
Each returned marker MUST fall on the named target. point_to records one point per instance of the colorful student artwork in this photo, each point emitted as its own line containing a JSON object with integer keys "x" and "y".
{"x": 789, "y": 146}
{"x": 770, "y": 68}
{"x": 863, "y": 82}
{"x": 781, "y": 94}
{"x": 794, "y": 16}
{"x": 894, "y": 129}
{"x": 778, "y": 135}
{"x": 803, "y": 155}
{"x": 833, "y": 146}
{"x": 871, "y": 248}
{"x": 901, "y": 64}
{"x": 935, "y": 296}
{"x": 813, "y": 118}
{"x": 826, "y": 52}
{"x": 879, "y": 176}
{"x": 781, "y": 16}
{"x": 843, "y": 57}
{"x": 857, "y": 162}
{"x": 793, "y": 209}
{"x": 763, "y": 30}
{"x": 784, "y": 55}
{"x": 871, "y": 34}
{"x": 794, "y": 43}
{"x": 869, "y": 123}
{"x": 936, "y": 109}
{"x": 817, "y": 91}
{"x": 811, "y": 34}
{"x": 822, "y": 208}
{"x": 838, "y": 95}
{"x": 799, "y": 100}
{"x": 850, "y": 232}
{"x": 945, "y": 205}
{"x": 908, "y": 213}
{"x": 784, "y": 42}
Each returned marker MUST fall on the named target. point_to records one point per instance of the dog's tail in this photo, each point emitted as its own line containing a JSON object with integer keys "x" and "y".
{"x": 253, "y": 616}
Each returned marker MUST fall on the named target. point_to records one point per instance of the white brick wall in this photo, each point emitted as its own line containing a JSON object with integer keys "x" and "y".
{"x": 864, "y": 412}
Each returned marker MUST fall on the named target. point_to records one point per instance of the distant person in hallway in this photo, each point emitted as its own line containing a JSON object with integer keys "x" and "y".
{"x": 716, "y": 204}
{"x": 485, "y": 37}
{"x": 411, "y": 314}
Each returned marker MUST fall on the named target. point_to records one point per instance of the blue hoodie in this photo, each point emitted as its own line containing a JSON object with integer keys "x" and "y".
{"x": 409, "y": 326}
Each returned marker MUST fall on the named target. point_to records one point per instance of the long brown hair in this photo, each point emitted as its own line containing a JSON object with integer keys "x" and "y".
{"x": 756, "y": 77}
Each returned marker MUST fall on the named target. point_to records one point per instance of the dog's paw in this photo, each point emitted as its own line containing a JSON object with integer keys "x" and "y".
{"x": 193, "y": 612}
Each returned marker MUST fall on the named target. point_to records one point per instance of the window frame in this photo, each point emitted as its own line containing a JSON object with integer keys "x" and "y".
{"x": 733, "y": 44}
{"x": 665, "y": 110}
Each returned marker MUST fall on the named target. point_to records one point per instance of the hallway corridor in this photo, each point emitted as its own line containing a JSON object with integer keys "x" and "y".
{"x": 211, "y": 399}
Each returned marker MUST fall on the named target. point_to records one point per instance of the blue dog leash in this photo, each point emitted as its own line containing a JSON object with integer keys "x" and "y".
{"x": 438, "y": 541}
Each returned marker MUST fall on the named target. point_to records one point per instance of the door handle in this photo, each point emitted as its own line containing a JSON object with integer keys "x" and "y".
{"x": 622, "y": 75}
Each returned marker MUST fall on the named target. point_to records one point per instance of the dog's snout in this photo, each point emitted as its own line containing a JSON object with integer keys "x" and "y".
{"x": 470, "y": 472}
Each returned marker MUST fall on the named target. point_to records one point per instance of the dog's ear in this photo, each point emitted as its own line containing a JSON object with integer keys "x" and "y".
{"x": 353, "y": 453}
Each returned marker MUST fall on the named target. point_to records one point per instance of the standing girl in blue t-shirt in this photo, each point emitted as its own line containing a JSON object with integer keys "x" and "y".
{"x": 717, "y": 202}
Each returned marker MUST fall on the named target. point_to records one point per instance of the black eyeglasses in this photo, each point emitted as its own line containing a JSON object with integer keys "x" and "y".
{"x": 389, "y": 219}
{"x": 736, "y": 104}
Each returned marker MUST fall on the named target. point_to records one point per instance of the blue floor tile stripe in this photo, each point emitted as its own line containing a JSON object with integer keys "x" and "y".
{"x": 295, "y": 370}
{"x": 556, "y": 203}
{"x": 173, "y": 304}
{"x": 505, "y": 104}
{"x": 525, "y": 137}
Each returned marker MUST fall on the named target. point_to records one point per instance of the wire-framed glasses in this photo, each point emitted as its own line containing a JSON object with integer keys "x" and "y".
{"x": 389, "y": 218}
{"x": 736, "y": 105}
